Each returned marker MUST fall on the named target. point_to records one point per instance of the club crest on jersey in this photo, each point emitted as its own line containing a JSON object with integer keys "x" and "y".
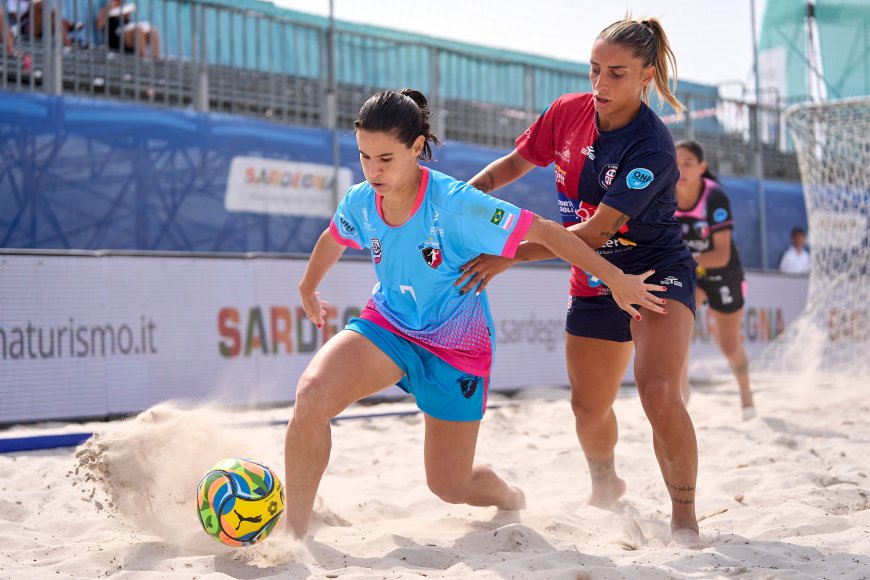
{"x": 376, "y": 250}
{"x": 431, "y": 252}
{"x": 702, "y": 229}
{"x": 433, "y": 257}
{"x": 639, "y": 178}
{"x": 468, "y": 385}
{"x": 607, "y": 175}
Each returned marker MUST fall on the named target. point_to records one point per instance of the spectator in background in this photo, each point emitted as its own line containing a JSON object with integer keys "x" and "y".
{"x": 796, "y": 259}
{"x": 135, "y": 37}
{"x": 22, "y": 11}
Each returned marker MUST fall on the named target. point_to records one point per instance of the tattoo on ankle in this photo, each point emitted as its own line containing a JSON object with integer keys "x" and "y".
{"x": 680, "y": 487}
{"x": 682, "y": 501}
{"x": 600, "y": 470}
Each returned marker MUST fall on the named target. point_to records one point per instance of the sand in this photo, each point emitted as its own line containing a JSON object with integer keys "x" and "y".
{"x": 784, "y": 495}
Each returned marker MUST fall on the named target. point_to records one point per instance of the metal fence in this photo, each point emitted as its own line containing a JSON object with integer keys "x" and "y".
{"x": 223, "y": 56}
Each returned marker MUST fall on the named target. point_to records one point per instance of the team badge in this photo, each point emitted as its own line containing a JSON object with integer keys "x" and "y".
{"x": 432, "y": 256}
{"x": 468, "y": 385}
{"x": 376, "y": 250}
{"x": 607, "y": 175}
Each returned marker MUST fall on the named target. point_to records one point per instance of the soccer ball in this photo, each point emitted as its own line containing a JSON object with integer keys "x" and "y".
{"x": 239, "y": 501}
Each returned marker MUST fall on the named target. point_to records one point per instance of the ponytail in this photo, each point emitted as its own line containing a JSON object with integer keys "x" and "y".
{"x": 403, "y": 113}
{"x": 650, "y": 44}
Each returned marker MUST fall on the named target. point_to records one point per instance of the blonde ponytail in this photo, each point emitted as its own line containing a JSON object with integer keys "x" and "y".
{"x": 650, "y": 44}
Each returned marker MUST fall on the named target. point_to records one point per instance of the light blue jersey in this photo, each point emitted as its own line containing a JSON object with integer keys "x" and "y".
{"x": 417, "y": 263}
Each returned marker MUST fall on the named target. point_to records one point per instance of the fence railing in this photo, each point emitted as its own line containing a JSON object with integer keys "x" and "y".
{"x": 217, "y": 55}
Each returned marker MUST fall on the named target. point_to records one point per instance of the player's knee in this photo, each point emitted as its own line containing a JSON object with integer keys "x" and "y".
{"x": 448, "y": 489}
{"x": 311, "y": 407}
{"x": 657, "y": 396}
{"x": 588, "y": 411}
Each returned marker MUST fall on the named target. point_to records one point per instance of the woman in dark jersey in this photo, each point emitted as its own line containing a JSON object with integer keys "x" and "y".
{"x": 615, "y": 171}
{"x": 704, "y": 213}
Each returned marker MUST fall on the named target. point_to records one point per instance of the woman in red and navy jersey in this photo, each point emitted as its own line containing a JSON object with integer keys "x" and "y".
{"x": 704, "y": 213}
{"x": 615, "y": 171}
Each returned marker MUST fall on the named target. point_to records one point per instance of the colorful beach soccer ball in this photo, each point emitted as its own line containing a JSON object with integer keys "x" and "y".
{"x": 239, "y": 501}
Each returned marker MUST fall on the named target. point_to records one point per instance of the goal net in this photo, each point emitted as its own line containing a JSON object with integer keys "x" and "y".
{"x": 832, "y": 335}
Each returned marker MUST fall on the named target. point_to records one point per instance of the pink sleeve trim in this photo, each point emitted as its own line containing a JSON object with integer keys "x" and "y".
{"x": 518, "y": 235}
{"x": 343, "y": 241}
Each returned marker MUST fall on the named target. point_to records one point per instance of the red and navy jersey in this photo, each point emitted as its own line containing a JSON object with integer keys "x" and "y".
{"x": 632, "y": 169}
{"x": 710, "y": 214}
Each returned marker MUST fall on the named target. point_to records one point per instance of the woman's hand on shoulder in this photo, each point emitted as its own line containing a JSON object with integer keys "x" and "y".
{"x": 480, "y": 270}
{"x": 631, "y": 290}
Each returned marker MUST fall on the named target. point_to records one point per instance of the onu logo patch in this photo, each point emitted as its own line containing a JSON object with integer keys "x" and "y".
{"x": 639, "y": 178}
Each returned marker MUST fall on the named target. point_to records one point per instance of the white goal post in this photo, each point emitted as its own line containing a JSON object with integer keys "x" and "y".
{"x": 832, "y": 140}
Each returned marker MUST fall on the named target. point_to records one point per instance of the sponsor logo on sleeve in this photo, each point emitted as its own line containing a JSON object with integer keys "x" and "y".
{"x": 639, "y": 178}
{"x": 346, "y": 226}
{"x": 720, "y": 215}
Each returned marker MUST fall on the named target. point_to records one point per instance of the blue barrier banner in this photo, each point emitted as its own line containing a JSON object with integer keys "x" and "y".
{"x": 97, "y": 175}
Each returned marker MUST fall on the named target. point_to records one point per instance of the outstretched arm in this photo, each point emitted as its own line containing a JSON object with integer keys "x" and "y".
{"x": 326, "y": 253}
{"x": 627, "y": 290}
{"x": 501, "y": 172}
{"x": 594, "y": 232}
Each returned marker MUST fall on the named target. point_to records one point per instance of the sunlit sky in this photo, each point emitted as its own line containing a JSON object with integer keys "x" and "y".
{"x": 711, "y": 38}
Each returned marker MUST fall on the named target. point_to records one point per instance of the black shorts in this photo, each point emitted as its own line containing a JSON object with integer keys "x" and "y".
{"x": 601, "y": 317}
{"x": 725, "y": 290}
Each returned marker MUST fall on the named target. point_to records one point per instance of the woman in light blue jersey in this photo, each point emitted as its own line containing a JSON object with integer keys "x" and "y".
{"x": 418, "y": 330}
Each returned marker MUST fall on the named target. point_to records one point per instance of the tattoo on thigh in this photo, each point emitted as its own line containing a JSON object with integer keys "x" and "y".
{"x": 600, "y": 470}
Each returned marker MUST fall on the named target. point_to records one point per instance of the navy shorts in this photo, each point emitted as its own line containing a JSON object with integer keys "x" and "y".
{"x": 725, "y": 290}
{"x": 601, "y": 317}
{"x": 440, "y": 389}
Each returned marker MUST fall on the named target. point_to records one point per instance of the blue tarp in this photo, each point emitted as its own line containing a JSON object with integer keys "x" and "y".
{"x": 95, "y": 175}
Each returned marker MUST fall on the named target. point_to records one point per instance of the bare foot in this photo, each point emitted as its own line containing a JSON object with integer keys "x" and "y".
{"x": 747, "y": 412}
{"x": 517, "y": 500}
{"x": 606, "y": 493}
{"x": 687, "y": 538}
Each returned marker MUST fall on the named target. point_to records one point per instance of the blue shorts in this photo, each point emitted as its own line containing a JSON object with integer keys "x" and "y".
{"x": 441, "y": 390}
{"x": 601, "y": 317}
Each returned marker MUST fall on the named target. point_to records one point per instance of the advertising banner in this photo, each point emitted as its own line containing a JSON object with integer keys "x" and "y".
{"x": 96, "y": 335}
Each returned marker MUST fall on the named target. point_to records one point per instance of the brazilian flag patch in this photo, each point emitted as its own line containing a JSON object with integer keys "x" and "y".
{"x": 497, "y": 217}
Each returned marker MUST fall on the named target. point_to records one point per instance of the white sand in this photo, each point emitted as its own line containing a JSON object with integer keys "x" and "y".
{"x": 781, "y": 496}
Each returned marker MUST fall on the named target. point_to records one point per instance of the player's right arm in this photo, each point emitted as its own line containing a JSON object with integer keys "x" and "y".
{"x": 627, "y": 290}
{"x": 326, "y": 253}
{"x": 501, "y": 172}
